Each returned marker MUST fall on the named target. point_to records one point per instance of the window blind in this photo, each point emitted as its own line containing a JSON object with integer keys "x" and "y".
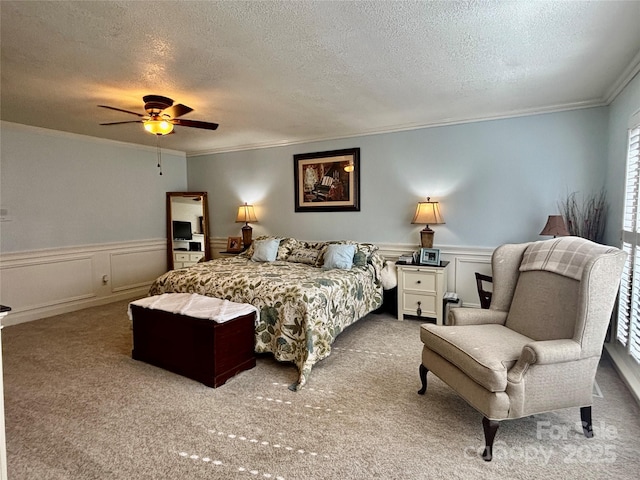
{"x": 628, "y": 322}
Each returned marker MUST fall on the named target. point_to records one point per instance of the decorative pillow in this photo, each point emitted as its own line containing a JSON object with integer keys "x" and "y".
{"x": 313, "y": 245}
{"x": 339, "y": 256}
{"x": 249, "y": 251}
{"x": 360, "y": 259}
{"x": 319, "y": 246}
{"x": 284, "y": 249}
{"x": 265, "y": 250}
{"x": 287, "y": 245}
{"x": 367, "y": 248}
{"x": 304, "y": 255}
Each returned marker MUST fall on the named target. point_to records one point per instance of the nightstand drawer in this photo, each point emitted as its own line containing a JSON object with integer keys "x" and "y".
{"x": 420, "y": 280}
{"x": 420, "y": 305}
{"x": 195, "y": 257}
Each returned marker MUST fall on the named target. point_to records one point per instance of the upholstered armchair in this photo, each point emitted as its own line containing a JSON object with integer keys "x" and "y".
{"x": 537, "y": 347}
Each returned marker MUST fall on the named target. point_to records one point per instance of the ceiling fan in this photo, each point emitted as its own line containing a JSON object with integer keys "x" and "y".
{"x": 162, "y": 115}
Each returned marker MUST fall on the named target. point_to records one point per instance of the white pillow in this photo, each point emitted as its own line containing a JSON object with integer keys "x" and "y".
{"x": 389, "y": 275}
{"x": 339, "y": 256}
{"x": 265, "y": 250}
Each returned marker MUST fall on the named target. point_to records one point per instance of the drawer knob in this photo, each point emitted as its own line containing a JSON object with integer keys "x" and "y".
{"x": 419, "y": 310}
{"x": 419, "y": 281}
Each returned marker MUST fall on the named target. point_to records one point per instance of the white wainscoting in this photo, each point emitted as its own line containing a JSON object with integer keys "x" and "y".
{"x": 44, "y": 283}
{"x": 463, "y": 268}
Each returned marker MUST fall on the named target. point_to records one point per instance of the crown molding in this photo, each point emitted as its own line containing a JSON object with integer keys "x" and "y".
{"x": 627, "y": 75}
{"x": 407, "y": 127}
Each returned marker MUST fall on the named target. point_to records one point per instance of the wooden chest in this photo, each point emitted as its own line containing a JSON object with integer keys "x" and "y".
{"x": 200, "y": 349}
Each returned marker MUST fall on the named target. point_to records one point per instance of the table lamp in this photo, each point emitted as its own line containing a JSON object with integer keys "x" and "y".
{"x": 428, "y": 213}
{"x": 246, "y": 214}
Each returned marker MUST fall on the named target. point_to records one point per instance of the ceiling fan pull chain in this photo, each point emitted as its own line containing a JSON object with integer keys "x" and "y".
{"x": 159, "y": 153}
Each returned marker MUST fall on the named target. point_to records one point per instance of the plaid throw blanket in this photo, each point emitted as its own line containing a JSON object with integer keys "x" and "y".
{"x": 564, "y": 255}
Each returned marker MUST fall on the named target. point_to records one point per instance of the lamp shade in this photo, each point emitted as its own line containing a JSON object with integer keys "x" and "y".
{"x": 246, "y": 214}
{"x": 428, "y": 213}
{"x": 555, "y": 226}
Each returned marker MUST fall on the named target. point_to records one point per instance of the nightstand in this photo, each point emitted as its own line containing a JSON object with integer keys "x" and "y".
{"x": 421, "y": 289}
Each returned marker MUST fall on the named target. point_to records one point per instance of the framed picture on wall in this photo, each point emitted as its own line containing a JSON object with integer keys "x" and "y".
{"x": 327, "y": 181}
{"x": 429, "y": 256}
{"x": 234, "y": 244}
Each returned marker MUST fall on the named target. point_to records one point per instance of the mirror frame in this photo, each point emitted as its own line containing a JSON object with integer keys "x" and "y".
{"x": 205, "y": 224}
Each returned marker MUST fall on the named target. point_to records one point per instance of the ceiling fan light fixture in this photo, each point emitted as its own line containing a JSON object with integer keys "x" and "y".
{"x": 158, "y": 126}
{"x": 162, "y": 115}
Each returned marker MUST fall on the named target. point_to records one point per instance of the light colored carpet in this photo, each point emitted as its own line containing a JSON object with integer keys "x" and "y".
{"x": 78, "y": 407}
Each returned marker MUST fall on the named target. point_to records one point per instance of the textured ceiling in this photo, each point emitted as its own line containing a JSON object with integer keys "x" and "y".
{"x": 273, "y": 73}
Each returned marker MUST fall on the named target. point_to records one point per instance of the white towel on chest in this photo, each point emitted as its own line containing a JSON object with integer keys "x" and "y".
{"x": 197, "y": 306}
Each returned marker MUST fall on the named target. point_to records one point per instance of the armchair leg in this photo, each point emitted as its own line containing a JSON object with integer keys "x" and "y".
{"x": 585, "y": 416}
{"x": 423, "y": 379}
{"x": 490, "y": 428}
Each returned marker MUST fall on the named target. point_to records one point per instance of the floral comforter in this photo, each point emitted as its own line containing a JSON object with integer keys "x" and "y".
{"x": 302, "y": 308}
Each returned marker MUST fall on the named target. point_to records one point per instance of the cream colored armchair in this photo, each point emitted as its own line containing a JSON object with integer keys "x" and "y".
{"x": 536, "y": 349}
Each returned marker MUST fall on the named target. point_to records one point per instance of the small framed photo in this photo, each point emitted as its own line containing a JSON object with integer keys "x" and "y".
{"x": 234, "y": 244}
{"x": 429, "y": 256}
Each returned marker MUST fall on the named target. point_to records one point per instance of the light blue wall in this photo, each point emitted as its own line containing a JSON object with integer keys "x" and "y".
{"x": 497, "y": 181}
{"x": 64, "y": 190}
{"x": 620, "y": 110}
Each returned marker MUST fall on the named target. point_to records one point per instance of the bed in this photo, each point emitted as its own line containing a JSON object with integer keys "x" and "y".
{"x": 304, "y": 302}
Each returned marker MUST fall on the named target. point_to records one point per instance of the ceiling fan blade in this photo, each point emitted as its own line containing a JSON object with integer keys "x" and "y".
{"x": 119, "y": 123}
{"x": 194, "y": 123}
{"x": 121, "y": 110}
{"x": 177, "y": 110}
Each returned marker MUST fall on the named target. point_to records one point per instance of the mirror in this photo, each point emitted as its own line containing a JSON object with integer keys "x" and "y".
{"x": 187, "y": 229}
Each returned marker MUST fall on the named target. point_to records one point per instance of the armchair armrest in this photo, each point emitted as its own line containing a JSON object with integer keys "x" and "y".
{"x": 544, "y": 352}
{"x": 552, "y": 351}
{"x": 475, "y": 316}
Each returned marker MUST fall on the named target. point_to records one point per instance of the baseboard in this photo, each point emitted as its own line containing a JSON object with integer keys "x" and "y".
{"x": 15, "y": 318}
